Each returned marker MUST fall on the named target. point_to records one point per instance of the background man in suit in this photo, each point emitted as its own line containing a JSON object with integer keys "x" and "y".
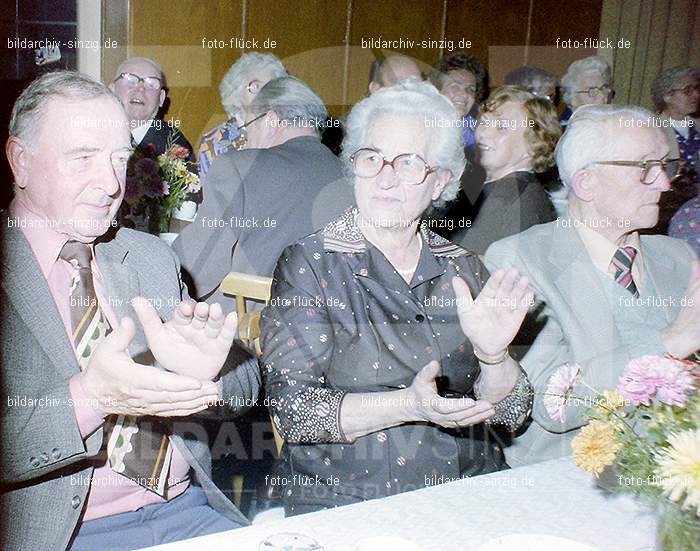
{"x": 261, "y": 199}
{"x": 86, "y": 417}
{"x": 141, "y": 86}
{"x": 609, "y": 295}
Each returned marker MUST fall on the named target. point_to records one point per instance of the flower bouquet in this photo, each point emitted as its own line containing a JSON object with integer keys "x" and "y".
{"x": 647, "y": 431}
{"x": 156, "y": 186}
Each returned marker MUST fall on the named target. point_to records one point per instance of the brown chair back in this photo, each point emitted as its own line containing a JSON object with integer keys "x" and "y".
{"x": 248, "y": 287}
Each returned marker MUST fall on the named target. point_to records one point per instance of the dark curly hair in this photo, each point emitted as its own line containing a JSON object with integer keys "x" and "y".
{"x": 461, "y": 60}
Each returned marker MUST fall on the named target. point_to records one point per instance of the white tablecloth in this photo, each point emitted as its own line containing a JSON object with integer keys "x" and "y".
{"x": 552, "y": 498}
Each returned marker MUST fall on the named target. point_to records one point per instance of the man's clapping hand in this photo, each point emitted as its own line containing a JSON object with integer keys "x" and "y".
{"x": 118, "y": 385}
{"x": 195, "y": 342}
{"x": 682, "y": 336}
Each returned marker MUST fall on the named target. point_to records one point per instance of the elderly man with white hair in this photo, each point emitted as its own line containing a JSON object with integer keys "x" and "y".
{"x": 241, "y": 83}
{"x": 607, "y": 294}
{"x": 141, "y": 86}
{"x": 99, "y": 453}
{"x": 587, "y": 81}
{"x": 260, "y": 199}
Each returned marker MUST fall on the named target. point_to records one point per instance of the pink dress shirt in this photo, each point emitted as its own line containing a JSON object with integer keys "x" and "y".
{"x": 110, "y": 492}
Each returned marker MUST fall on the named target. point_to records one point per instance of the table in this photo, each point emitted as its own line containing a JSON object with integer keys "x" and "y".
{"x": 553, "y": 497}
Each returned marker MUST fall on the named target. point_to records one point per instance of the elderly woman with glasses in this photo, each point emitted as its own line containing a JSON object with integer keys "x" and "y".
{"x": 385, "y": 346}
{"x": 587, "y": 81}
{"x": 676, "y": 95}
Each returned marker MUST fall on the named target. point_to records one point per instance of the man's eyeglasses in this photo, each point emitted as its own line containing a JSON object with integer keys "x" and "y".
{"x": 651, "y": 170}
{"x": 594, "y": 91}
{"x": 409, "y": 167}
{"x": 251, "y": 121}
{"x": 132, "y": 81}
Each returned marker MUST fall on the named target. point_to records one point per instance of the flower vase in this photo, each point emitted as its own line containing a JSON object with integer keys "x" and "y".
{"x": 168, "y": 237}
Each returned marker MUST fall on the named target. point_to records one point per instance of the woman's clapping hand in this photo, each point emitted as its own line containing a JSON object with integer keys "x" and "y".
{"x": 425, "y": 404}
{"x": 492, "y": 320}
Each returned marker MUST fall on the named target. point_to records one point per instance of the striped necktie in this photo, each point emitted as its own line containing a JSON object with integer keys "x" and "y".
{"x": 622, "y": 262}
{"x": 138, "y": 447}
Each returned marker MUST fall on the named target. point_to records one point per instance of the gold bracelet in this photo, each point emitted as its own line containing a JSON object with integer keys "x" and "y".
{"x": 491, "y": 362}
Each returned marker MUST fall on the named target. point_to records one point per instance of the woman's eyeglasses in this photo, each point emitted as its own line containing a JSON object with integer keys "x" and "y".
{"x": 409, "y": 167}
{"x": 594, "y": 91}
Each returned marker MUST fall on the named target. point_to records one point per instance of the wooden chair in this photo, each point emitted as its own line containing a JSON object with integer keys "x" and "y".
{"x": 250, "y": 287}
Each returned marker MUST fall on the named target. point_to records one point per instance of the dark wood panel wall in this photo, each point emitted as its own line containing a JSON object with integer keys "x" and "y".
{"x": 326, "y": 42}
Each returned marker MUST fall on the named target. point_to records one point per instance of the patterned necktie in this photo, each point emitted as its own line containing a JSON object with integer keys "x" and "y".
{"x": 138, "y": 448}
{"x": 622, "y": 262}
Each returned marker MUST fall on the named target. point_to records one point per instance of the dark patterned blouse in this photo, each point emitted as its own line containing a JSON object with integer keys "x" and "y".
{"x": 343, "y": 320}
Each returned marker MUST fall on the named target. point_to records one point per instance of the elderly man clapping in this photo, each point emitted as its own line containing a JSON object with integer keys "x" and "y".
{"x": 90, "y": 445}
{"x": 608, "y": 294}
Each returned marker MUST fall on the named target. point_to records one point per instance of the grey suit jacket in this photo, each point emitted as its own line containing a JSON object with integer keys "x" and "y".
{"x": 256, "y": 202}
{"x": 580, "y": 327}
{"x": 43, "y": 451}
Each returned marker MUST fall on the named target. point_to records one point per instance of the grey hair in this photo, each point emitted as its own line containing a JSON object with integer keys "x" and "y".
{"x": 239, "y": 75}
{"x": 590, "y": 136}
{"x": 665, "y": 82}
{"x": 592, "y": 64}
{"x": 30, "y": 107}
{"x": 416, "y": 98}
{"x": 293, "y": 101}
{"x": 526, "y": 76}
{"x": 148, "y": 60}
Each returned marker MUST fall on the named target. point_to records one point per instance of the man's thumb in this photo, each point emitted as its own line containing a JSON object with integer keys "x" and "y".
{"x": 120, "y": 338}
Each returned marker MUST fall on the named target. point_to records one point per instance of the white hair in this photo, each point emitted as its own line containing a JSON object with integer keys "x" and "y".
{"x": 416, "y": 98}
{"x": 293, "y": 101}
{"x": 30, "y": 107}
{"x": 241, "y": 73}
{"x": 591, "y": 136}
{"x": 592, "y": 64}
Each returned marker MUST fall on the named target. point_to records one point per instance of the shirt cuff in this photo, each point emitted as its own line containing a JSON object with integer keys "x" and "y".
{"x": 89, "y": 420}
{"x": 515, "y": 408}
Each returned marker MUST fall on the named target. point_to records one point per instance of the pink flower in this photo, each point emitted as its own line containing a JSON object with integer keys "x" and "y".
{"x": 663, "y": 378}
{"x": 676, "y": 385}
{"x": 178, "y": 152}
{"x": 556, "y": 397}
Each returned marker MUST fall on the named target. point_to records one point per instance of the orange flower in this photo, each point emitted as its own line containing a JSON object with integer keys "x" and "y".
{"x": 595, "y": 447}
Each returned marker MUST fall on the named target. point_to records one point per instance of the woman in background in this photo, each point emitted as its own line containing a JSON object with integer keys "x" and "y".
{"x": 515, "y": 139}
